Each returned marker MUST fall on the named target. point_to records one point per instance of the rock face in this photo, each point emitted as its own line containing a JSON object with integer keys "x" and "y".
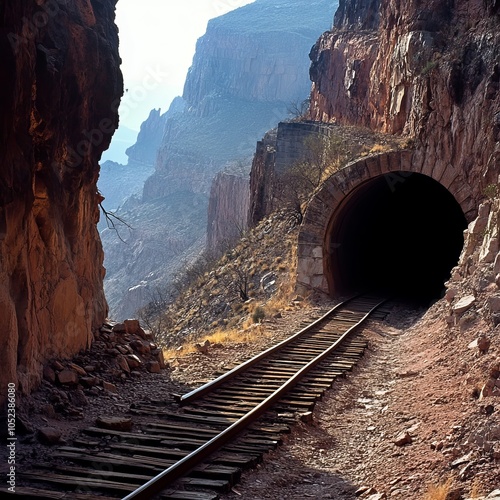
{"x": 61, "y": 86}
{"x": 248, "y": 68}
{"x": 430, "y": 71}
{"x": 262, "y": 178}
{"x": 117, "y": 182}
{"x": 227, "y": 210}
{"x": 427, "y": 71}
{"x": 256, "y": 53}
{"x": 151, "y": 134}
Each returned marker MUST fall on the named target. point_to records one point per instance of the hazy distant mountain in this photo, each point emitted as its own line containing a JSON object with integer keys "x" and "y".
{"x": 120, "y": 180}
{"x": 249, "y": 67}
{"x": 122, "y": 139}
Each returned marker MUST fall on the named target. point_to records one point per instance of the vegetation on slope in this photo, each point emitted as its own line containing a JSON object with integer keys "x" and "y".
{"x": 248, "y": 283}
{"x": 231, "y": 291}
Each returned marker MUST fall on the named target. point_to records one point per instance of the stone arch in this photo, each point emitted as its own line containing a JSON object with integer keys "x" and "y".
{"x": 314, "y": 244}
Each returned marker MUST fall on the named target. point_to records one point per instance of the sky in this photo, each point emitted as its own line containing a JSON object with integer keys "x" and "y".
{"x": 157, "y": 44}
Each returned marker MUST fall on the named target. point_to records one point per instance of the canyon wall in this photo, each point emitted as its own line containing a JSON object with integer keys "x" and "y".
{"x": 249, "y": 67}
{"x": 149, "y": 139}
{"x": 58, "y": 109}
{"x": 227, "y": 210}
{"x": 117, "y": 181}
{"x": 428, "y": 70}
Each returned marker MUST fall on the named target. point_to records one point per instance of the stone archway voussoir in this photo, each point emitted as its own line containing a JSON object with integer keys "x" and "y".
{"x": 373, "y": 166}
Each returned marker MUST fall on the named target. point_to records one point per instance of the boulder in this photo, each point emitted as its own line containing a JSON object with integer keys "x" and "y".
{"x": 49, "y": 374}
{"x": 108, "y": 386}
{"x": 203, "y": 348}
{"x": 464, "y": 304}
{"x": 78, "y": 369}
{"x": 141, "y": 346}
{"x": 49, "y": 436}
{"x": 133, "y": 361}
{"x": 451, "y": 293}
{"x": 78, "y": 398}
{"x": 68, "y": 377}
{"x": 153, "y": 367}
{"x": 403, "y": 438}
{"x": 132, "y": 326}
{"x": 495, "y": 370}
{"x": 122, "y": 363}
{"x": 494, "y": 303}
{"x": 123, "y": 424}
{"x": 482, "y": 343}
{"x": 119, "y": 328}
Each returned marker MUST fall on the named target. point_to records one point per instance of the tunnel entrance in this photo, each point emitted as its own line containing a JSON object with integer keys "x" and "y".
{"x": 399, "y": 234}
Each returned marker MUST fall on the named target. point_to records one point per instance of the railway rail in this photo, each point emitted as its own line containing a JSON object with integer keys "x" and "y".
{"x": 198, "y": 450}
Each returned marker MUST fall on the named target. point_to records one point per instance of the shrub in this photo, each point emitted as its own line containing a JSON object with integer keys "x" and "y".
{"x": 491, "y": 191}
{"x": 258, "y": 315}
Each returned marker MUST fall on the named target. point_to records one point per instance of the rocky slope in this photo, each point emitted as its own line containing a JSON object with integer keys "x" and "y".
{"x": 55, "y": 122}
{"x": 248, "y": 68}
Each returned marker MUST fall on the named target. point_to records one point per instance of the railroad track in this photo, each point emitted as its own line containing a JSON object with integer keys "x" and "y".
{"x": 196, "y": 450}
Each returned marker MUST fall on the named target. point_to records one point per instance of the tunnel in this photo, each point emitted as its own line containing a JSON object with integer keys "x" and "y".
{"x": 398, "y": 234}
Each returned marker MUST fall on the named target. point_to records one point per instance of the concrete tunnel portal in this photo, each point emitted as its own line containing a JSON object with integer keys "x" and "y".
{"x": 385, "y": 224}
{"x": 397, "y": 235}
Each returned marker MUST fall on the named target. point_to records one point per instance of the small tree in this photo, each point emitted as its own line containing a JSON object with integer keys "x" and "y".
{"x": 323, "y": 156}
{"x": 298, "y": 109}
{"x": 241, "y": 283}
{"x": 152, "y": 315}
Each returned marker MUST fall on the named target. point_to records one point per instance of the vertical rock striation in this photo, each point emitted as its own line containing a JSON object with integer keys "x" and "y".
{"x": 61, "y": 86}
{"x": 429, "y": 70}
{"x": 227, "y": 210}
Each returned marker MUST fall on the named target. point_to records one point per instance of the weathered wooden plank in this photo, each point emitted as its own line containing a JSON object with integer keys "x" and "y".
{"x": 189, "y": 495}
{"x": 27, "y": 493}
{"x": 72, "y": 483}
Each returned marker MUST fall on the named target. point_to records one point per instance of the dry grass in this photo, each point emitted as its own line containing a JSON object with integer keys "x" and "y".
{"x": 180, "y": 352}
{"x": 379, "y": 148}
{"x": 439, "y": 492}
{"x": 477, "y": 490}
{"x": 237, "y": 336}
{"x": 220, "y": 336}
{"x": 262, "y": 251}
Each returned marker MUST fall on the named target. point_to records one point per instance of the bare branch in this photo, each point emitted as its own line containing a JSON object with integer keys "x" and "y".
{"x": 111, "y": 219}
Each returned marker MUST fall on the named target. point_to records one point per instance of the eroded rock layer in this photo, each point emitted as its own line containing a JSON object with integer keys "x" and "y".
{"x": 428, "y": 70}
{"x": 61, "y": 86}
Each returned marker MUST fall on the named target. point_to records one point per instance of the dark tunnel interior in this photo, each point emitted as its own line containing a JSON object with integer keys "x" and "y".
{"x": 399, "y": 234}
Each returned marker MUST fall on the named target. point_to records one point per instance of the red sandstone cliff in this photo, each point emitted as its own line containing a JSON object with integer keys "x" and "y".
{"x": 430, "y": 70}
{"x": 61, "y": 86}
